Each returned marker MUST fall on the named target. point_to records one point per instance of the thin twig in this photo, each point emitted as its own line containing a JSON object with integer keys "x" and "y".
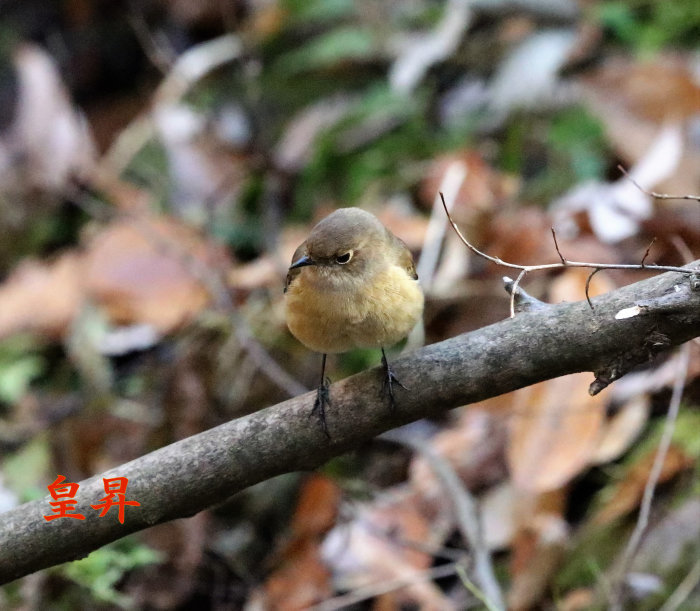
{"x": 377, "y": 589}
{"x": 446, "y": 553}
{"x": 468, "y": 521}
{"x": 654, "y": 194}
{"x": 588, "y": 287}
{"x": 646, "y": 253}
{"x": 188, "y": 69}
{"x": 471, "y": 586}
{"x": 160, "y": 56}
{"x": 524, "y": 269}
{"x": 685, "y": 588}
{"x": 514, "y": 291}
{"x": 556, "y": 245}
{"x": 618, "y": 592}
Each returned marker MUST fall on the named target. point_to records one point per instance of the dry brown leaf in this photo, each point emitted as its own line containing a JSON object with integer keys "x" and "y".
{"x": 259, "y": 273}
{"x": 571, "y": 285}
{"x": 483, "y": 190}
{"x": 395, "y": 601}
{"x": 554, "y": 431}
{"x": 148, "y": 271}
{"x": 618, "y": 433}
{"x": 555, "y": 427}
{"x": 656, "y": 90}
{"x": 269, "y": 270}
{"x": 524, "y": 236}
{"x": 627, "y": 494}
{"x": 538, "y": 547}
{"x": 580, "y": 599}
{"x": 302, "y": 579}
{"x": 375, "y": 547}
{"x": 634, "y": 99}
{"x": 42, "y": 298}
{"x": 497, "y": 507}
{"x": 299, "y": 583}
{"x": 520, "y": 236}
{"x": 317, "y": 508}
{"x": 473, "y": 447}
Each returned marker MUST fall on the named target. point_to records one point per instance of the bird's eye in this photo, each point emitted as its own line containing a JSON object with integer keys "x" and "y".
{"x": 344, "y": 258}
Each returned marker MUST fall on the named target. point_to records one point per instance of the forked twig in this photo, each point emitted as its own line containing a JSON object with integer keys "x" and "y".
{"x": 525, "y": 269}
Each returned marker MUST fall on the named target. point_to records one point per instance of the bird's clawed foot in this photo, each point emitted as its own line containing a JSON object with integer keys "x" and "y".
{"x": 323, "y": 399}
{"x": 389, "y": 380}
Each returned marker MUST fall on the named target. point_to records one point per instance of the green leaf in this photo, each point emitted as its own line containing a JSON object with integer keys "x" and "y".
{"x": 306, "y": 11}
{"x": 327, "y": 50}
{"x": 16, "y": 377}
{"x": 105, "y": 567}
{"x": 19, "y": 366}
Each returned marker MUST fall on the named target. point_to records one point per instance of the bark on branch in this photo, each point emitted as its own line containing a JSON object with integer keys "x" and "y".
{"x": 186, "y": 477}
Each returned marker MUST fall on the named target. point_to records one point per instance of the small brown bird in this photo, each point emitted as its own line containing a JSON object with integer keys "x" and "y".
{"x": 351, "y": 284}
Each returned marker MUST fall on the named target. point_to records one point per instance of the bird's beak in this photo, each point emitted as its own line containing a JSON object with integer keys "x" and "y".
{"x": 304, "y": 261}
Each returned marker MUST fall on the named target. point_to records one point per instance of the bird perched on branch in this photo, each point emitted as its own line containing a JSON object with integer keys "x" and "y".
{"x": 351, "y": 284}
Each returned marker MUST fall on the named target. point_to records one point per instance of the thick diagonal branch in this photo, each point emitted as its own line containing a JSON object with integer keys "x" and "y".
{"x": 188, "y": 476}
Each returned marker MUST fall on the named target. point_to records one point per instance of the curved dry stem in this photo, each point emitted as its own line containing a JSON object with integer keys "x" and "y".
{"x": 588, "y": 287}
{"x": 514, "y": 290}
{"x": 556, "y": 246}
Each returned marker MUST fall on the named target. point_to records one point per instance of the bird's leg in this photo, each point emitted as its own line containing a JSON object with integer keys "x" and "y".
{"x": 322, "y": 399}
{"x": 389, "y": 380}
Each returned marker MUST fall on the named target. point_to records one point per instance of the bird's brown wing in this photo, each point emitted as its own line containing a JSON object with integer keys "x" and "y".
{"x": 405, "y": 257}
{"x": 293, "y": 273}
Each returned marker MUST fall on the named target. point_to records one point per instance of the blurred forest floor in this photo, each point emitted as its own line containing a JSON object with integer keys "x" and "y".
{"x": 160, "y": 162}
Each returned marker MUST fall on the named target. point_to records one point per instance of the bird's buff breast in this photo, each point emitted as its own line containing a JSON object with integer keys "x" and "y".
{"x": 330, "y": 319}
